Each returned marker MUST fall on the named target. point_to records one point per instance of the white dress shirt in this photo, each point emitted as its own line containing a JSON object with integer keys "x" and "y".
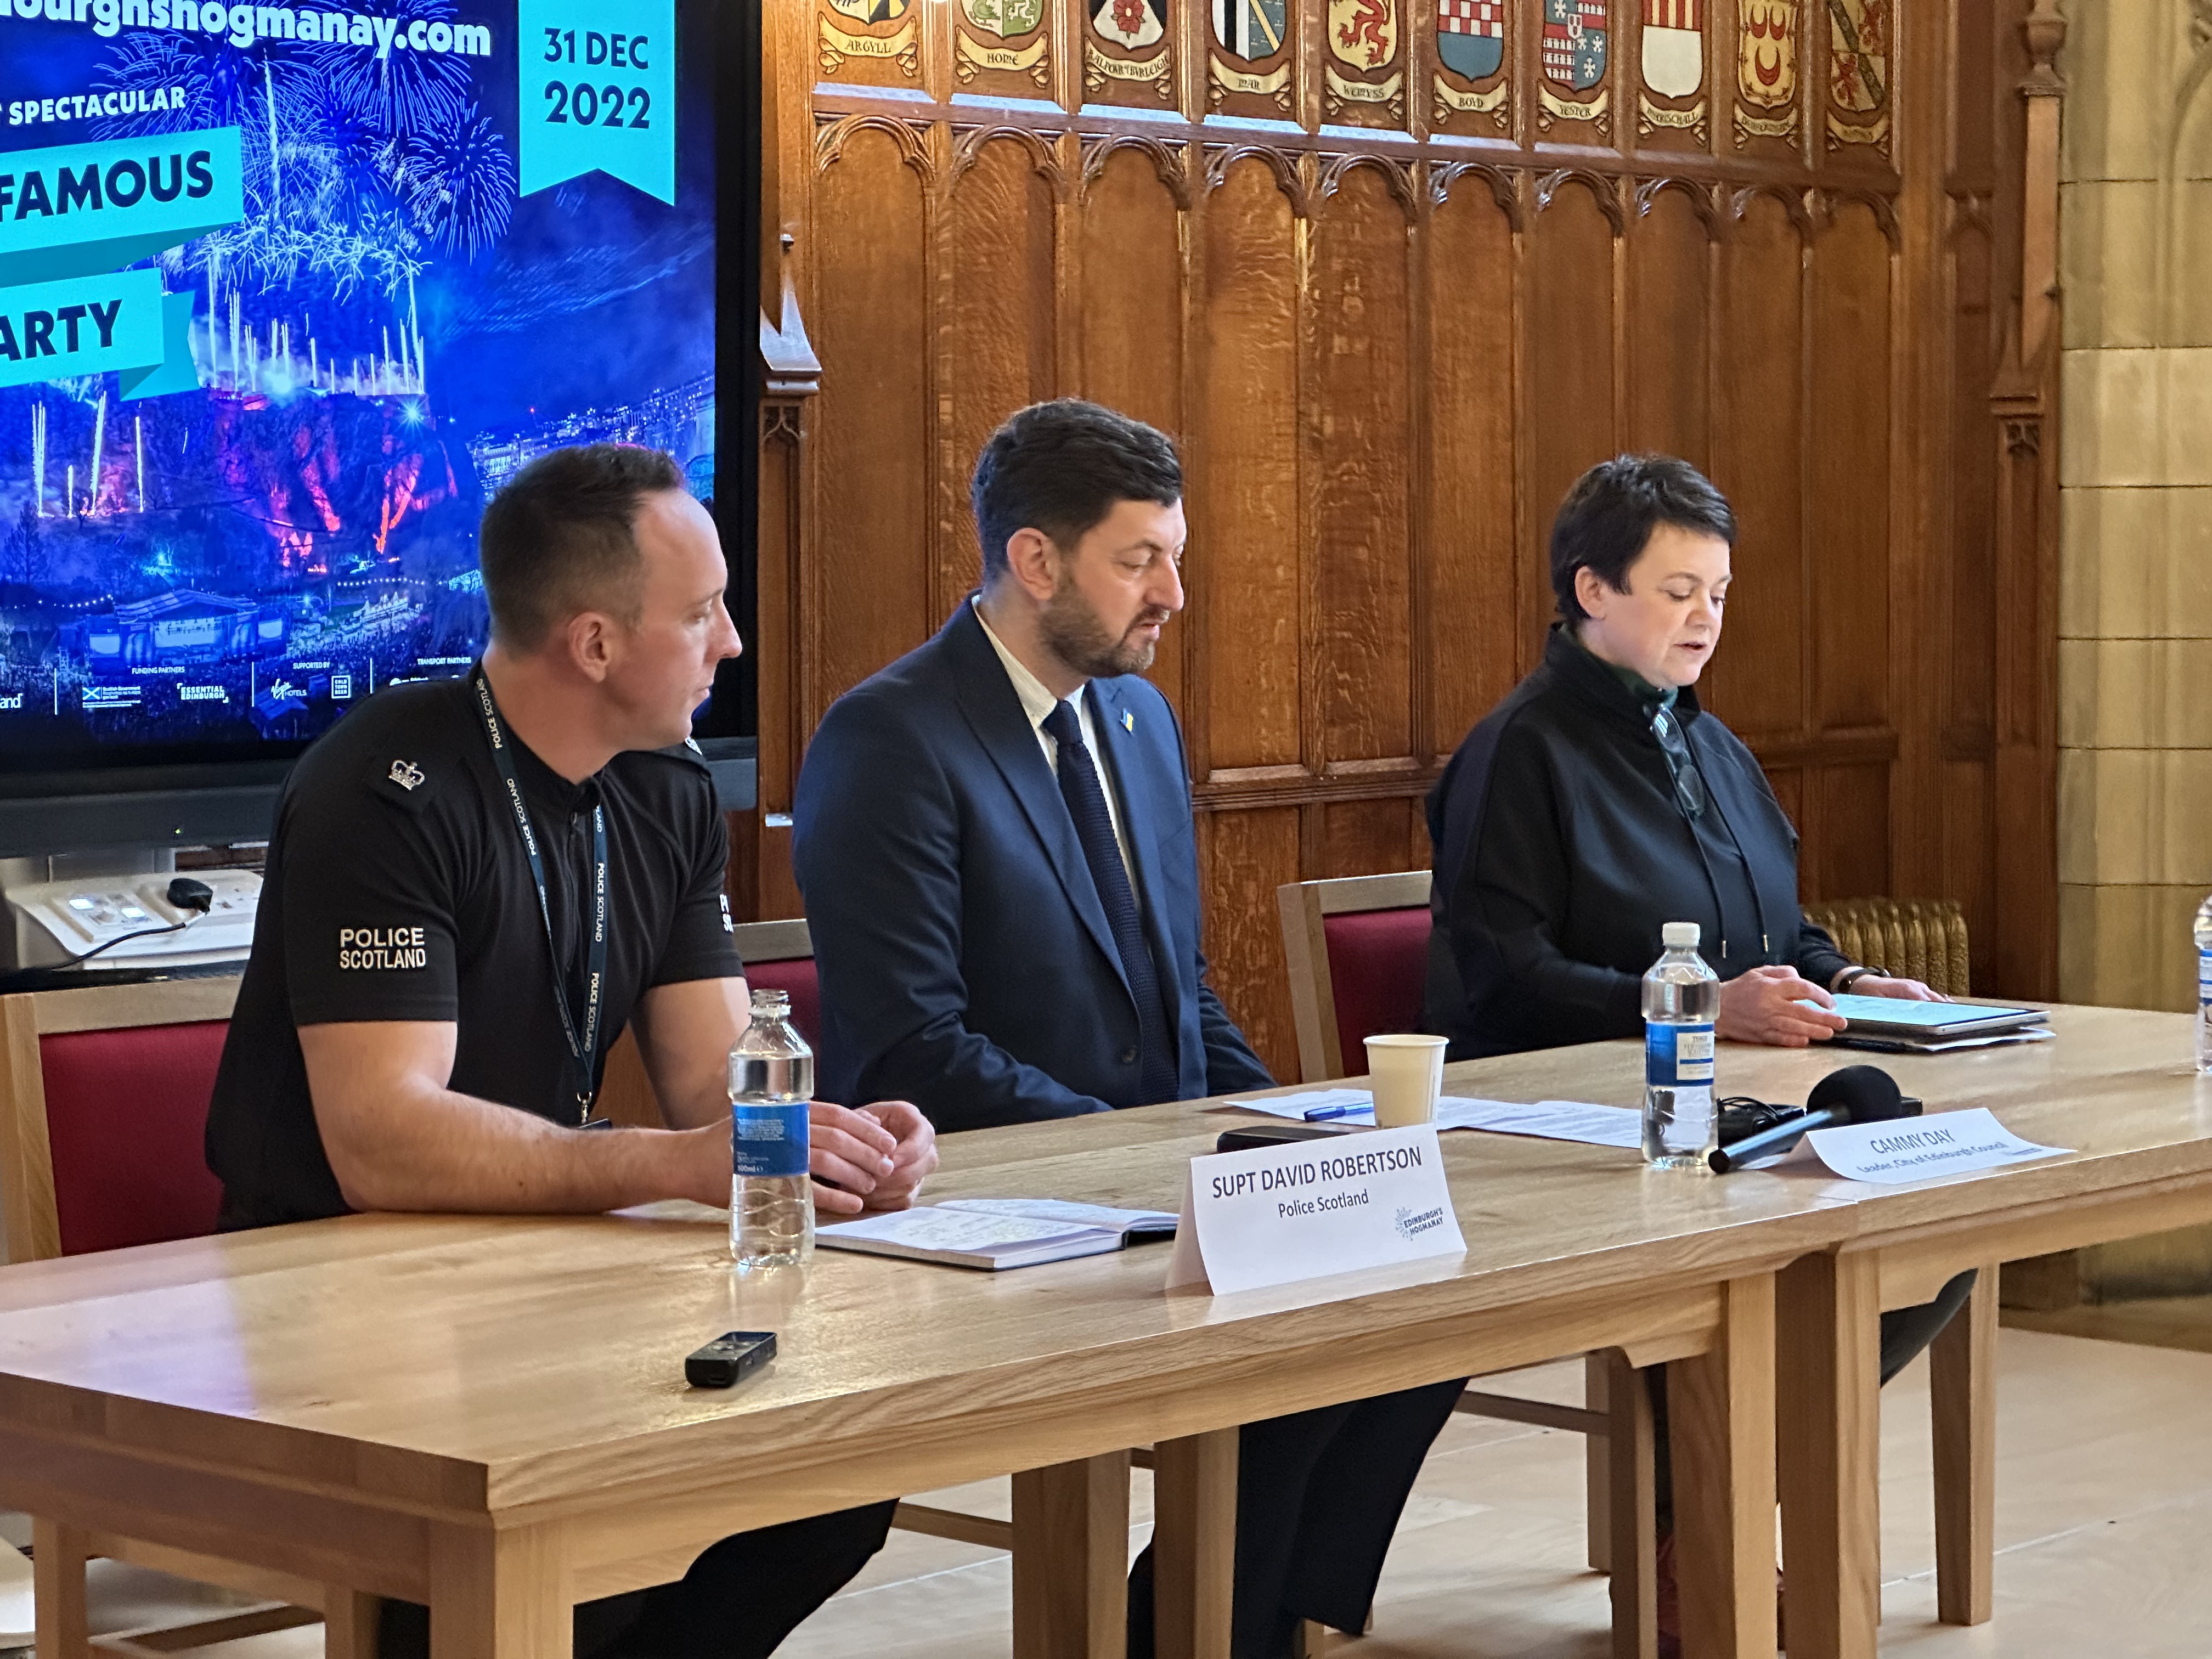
{"x": 1037, "y": 703}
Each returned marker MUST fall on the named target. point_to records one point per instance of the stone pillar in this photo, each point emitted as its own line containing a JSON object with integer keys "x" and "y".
{"x": 2135, "y": 664}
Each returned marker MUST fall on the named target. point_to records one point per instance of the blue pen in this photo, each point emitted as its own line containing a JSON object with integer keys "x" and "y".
{"x": 1322, "y": 1114}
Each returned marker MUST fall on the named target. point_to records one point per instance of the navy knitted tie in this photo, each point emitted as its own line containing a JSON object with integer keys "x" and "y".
{"x": 1085, "y": 795}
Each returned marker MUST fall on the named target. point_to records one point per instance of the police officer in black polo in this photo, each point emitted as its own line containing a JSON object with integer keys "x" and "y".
{"x": 473, "y": 887}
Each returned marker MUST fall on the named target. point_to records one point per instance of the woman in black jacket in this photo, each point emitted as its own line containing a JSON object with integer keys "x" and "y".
{"x": 1598, "y": 802}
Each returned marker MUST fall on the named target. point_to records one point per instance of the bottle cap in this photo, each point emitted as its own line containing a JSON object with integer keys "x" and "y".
{"x": 1681, "y": 935}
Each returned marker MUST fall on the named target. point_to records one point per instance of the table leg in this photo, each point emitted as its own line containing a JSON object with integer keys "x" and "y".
{"x": 1193, "y": 1544}
{"x": 1597, "y": 1466}
{"x": 499, "y": 1595}
{"x": 1963, "y": 1394}
{"x": 1633, "y": 1542}
{"x": 1828, "y": 1395}
{"x": 1071, "y": 1559}
{"x": 349, "y": 1622}
{"x": 58, "y": 1559}
{"x": 1720, "y": 1410}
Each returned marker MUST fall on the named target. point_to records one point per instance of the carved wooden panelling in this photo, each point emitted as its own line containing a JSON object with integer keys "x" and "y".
{"x": 865, "y": 597}
{"x": 1467, "y": 623}
{"x": 1394, "y": 272}
{"x": 1129, "y": 318}
{"x": 1570, "y": 421}
{"x": 1851, "y": 443}
{"x": 1758, "y": 682}
{"x": 1358, "y": 658}
{"x": 1671, "y": 257}
{"x": 1243, "y": 567}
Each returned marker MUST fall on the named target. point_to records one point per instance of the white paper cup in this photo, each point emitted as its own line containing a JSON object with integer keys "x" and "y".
{"x": 1408, "y": 1074}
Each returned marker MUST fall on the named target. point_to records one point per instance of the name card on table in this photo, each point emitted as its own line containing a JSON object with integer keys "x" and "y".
{"x": 1279, "y": 1214}
{"x": 1915, "y": 1148}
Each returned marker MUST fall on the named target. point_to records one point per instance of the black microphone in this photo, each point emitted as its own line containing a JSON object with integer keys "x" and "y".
{"x": 1856, "y": 1094}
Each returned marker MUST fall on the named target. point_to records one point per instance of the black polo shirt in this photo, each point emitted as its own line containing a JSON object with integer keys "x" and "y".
{"x": 397, "y": 889}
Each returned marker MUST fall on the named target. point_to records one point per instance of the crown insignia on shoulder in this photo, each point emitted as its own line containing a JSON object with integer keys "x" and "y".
{"x": 405, "y": 773}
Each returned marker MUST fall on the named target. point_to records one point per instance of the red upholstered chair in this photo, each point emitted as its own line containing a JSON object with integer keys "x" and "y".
{"x": 104, "y": 1097}
{"x": 1357, "y": 950}
{"x": 779, "y": 956}
{"x": 125, "y": 1110}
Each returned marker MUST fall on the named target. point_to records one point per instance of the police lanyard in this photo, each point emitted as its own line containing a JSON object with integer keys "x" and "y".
{"x": 584, "y": 1046}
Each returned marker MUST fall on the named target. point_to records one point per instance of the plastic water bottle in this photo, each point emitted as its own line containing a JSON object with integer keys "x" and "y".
{"x": 771, "y": 1080}
{"x": 1681, "y": 995}
{"x": 2204, "y": 986}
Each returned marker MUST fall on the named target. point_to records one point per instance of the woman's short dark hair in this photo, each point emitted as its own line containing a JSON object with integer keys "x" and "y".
{"x": 1061, "y": 468}
{"x": 1611, "y": 511}
{"x": 561, "y": 538}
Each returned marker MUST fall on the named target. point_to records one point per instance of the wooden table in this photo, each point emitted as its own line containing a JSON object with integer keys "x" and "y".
{"x": 488, "y": 1415}
{"x": 2120, "y": 1087}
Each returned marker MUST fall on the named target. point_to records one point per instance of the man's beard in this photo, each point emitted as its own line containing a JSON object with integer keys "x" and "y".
{"x": 1072, "y": 631}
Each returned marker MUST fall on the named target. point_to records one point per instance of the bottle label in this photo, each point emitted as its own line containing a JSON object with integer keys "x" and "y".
{"x": 767, "y": 1139}
{"x": 1675, "y": 1056}
{"x": 2204, "y": 978}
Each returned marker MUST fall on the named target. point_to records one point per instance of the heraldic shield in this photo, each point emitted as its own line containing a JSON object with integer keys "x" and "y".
{"x": 1674, "y": 46}
{"x": 1007, "y": 19}
{"x": 1251, "y": 29}
{"x": 1767, "y": 53}
{"x": 1471, "y": 36}
{"x": 1574, "y": 43}
{"x": 1858, "y": 55}
{"x": 1131, "y": 23}
{"x": 872, "y": 11}
{"x": 1364, "y": 32}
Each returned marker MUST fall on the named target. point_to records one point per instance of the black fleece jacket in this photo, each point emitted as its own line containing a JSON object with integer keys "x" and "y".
{"x": 1561, "y": 849}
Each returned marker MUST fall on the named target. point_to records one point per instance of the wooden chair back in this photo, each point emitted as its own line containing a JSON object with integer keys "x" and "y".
{"x": 778, "y": 955}
{"x": 104, "y": 1095}
{"x": 1357, "y": 950}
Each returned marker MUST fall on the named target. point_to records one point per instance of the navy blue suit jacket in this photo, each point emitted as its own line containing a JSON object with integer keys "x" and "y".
{"x": 966, "y": 963}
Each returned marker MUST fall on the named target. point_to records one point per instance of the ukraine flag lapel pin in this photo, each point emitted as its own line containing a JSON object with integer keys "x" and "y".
{"x": 1128, "y": 721}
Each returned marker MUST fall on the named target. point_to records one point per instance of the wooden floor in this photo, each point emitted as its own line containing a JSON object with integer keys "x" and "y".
{"x": 2103, "y": 1522}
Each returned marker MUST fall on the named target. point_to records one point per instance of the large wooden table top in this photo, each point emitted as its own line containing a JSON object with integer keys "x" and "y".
{"x": 444, "y": 1365}
{"x": 2118, "y": 1087}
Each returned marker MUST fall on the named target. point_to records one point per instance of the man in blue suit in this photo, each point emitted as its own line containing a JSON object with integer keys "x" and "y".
{"x": 993, "y": 836}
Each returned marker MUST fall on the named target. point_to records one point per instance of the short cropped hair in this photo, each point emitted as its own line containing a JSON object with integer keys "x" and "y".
{"x": 1061, "y": 468}
{"x": 1611, "y": 511}
{"x": 561, "y": 538}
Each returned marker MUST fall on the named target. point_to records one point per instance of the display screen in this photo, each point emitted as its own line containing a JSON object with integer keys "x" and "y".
{"x": 286, "y": 294}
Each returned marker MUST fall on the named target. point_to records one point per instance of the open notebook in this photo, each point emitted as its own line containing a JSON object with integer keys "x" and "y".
{"x": 998, "y": 1233}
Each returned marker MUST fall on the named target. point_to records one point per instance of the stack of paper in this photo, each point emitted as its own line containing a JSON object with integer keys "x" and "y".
{"x": 1552, "y": 1120}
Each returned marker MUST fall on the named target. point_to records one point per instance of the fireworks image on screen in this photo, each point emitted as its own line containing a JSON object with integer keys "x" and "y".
{"x": 386, "y": 335}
